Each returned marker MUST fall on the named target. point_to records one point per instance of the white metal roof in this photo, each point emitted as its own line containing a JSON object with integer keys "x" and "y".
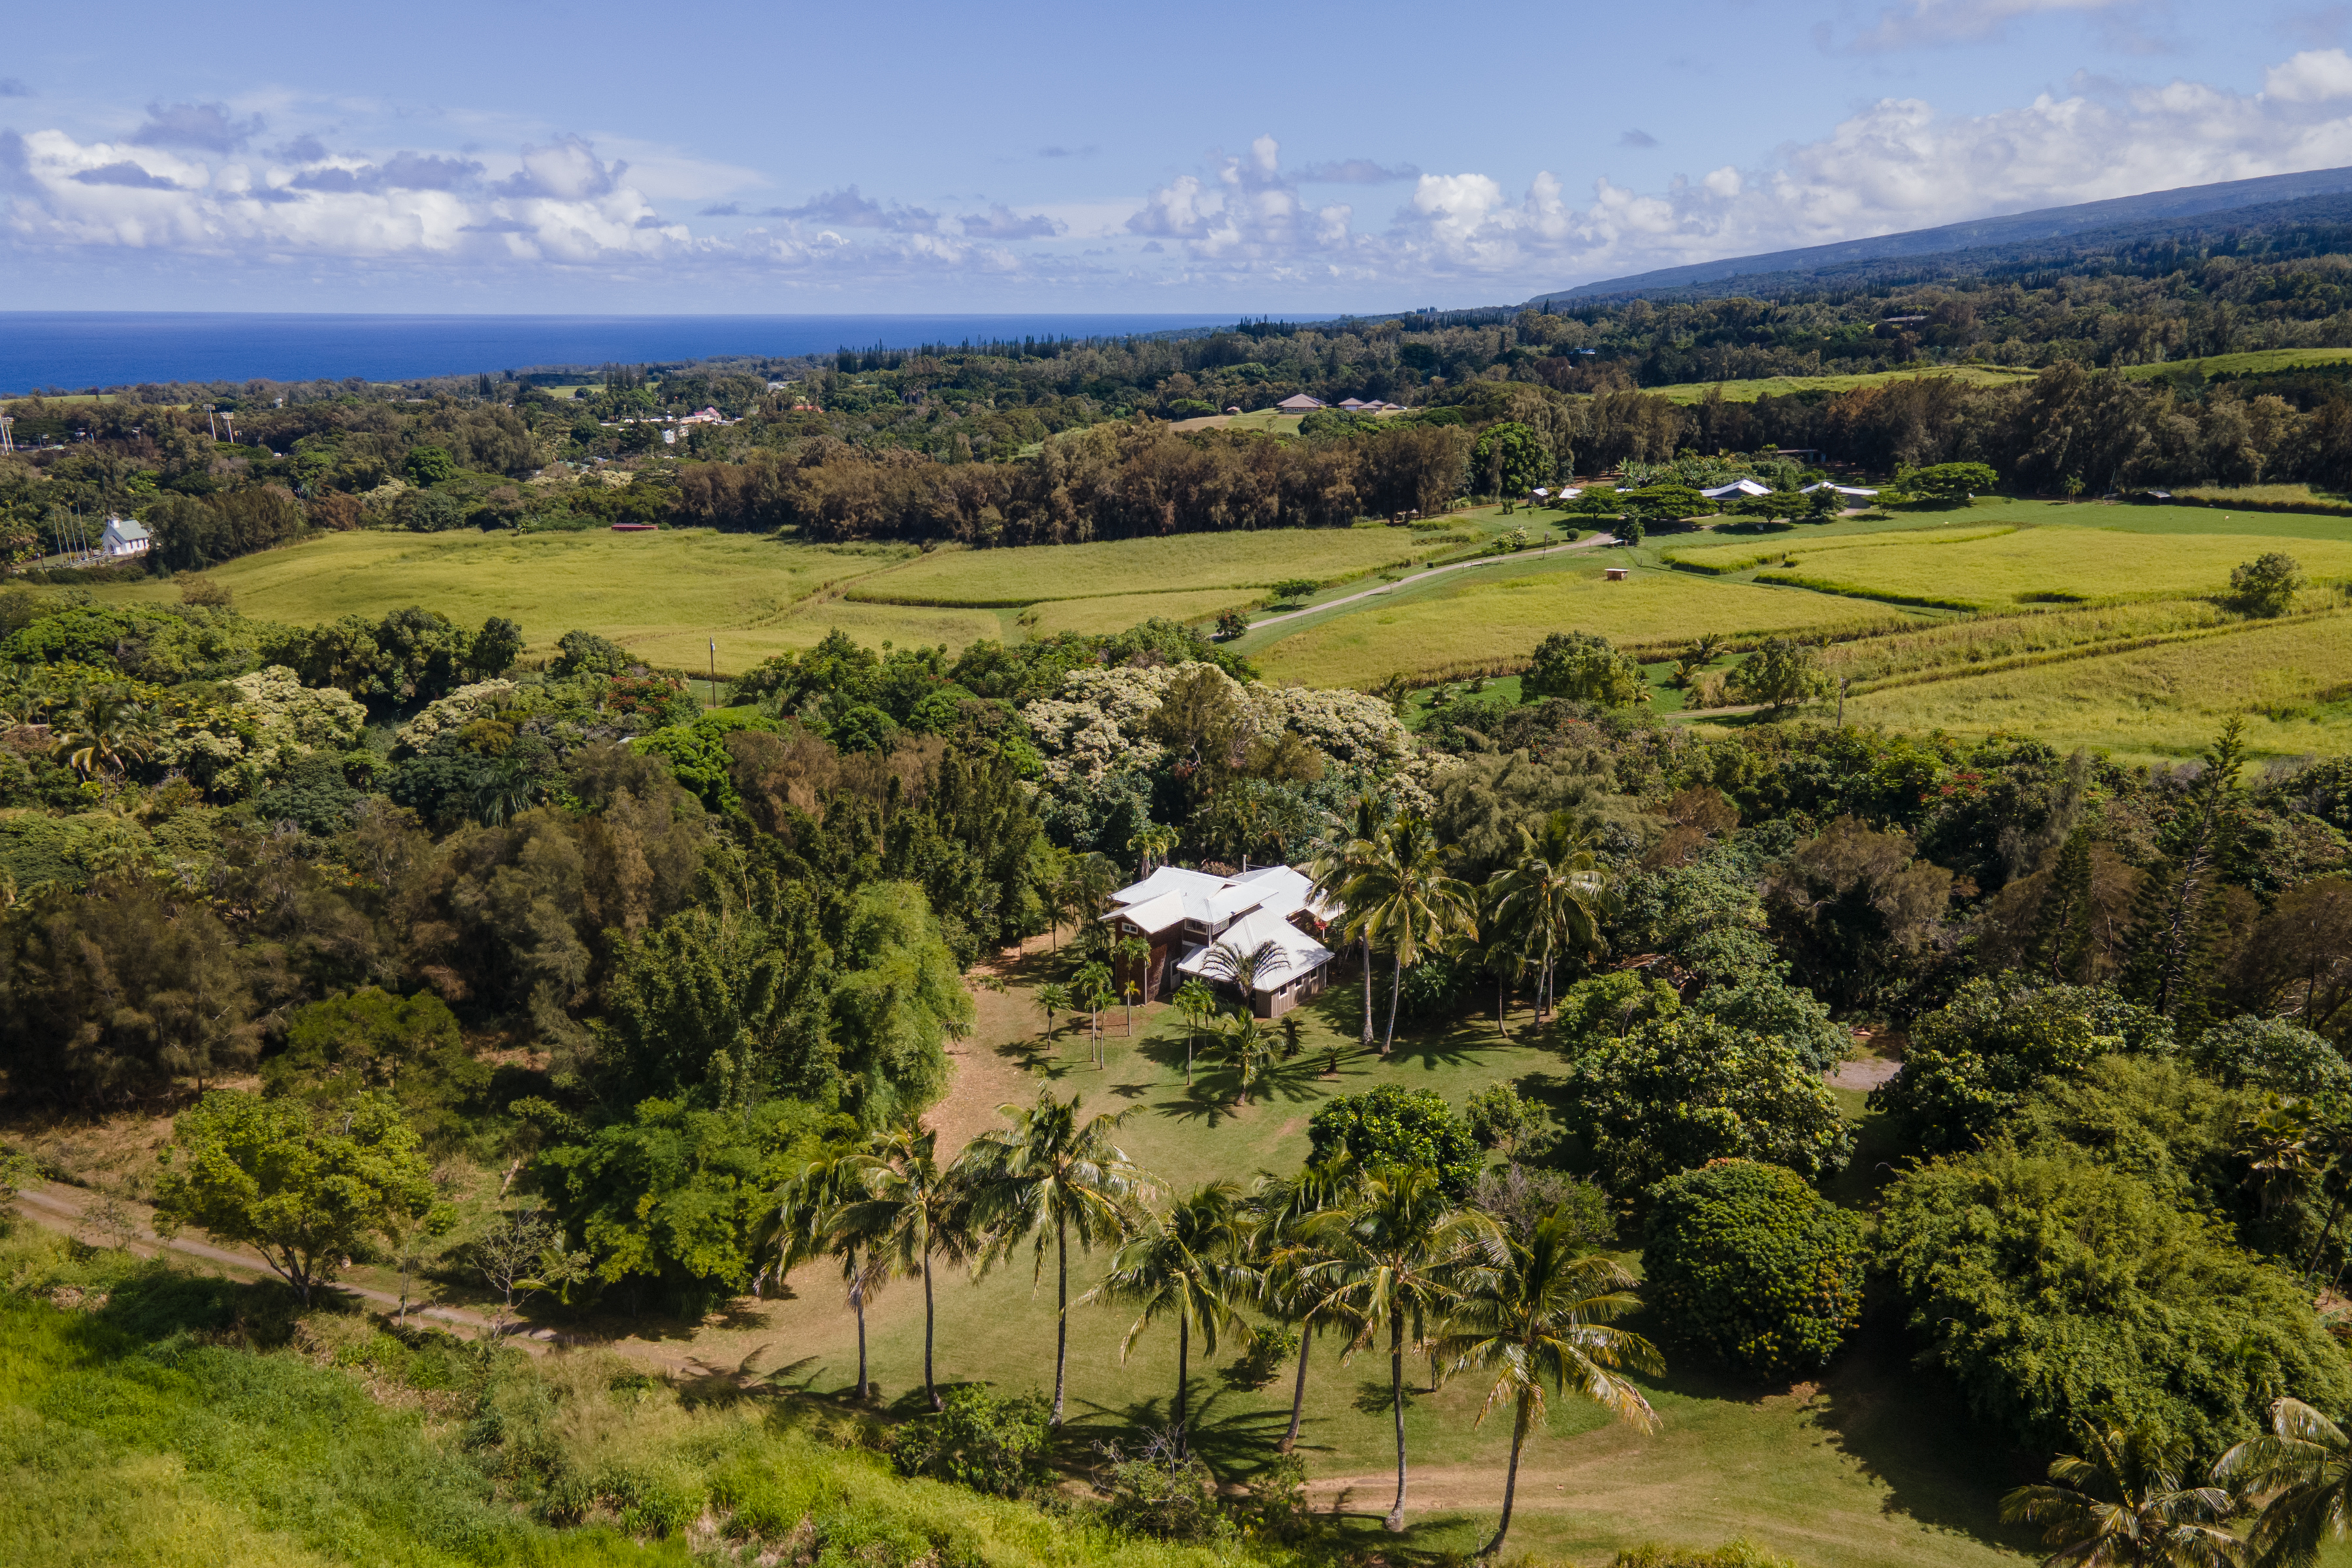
{"x": 1301, "y": 953}
{"x": 1841, "y": 490}
{"x": 1212, "y": 900}
{"x": 124, "y": 529}
{"x": 1741, "y": 486}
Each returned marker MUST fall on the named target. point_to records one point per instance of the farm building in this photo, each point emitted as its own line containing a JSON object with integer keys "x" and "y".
{"x": 1843, "y": 492}
{"x": 124, "y": 538}
{"x": 1737, "y": 488}
{"x": 1299, "y": 402}
{"x": 1203, "y": 922}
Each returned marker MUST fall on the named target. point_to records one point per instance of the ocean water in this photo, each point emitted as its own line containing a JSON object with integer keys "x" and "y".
{"x": 74, "y": 351}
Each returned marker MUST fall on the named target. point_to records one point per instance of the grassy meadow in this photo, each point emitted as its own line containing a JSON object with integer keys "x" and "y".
{"x": 1179, "y": 563}
{"x": 1471, "y": 621}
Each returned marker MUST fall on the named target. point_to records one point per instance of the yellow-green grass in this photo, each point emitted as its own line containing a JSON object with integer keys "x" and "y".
{"x": 663, "y": 596}
{"x": 2045, "y": 565}
{"x": 2291, "y": 680}
{"x": 1772, "y": 549}
{"x": 1946, "y": 649}
{"x": 1182, "y": 561}
{"x": 1116, "y": 613}
{"x": 1264, "y": 419}
{"x": 2254, "y": 362}
{"x": 1488, "y": 620}
{"x": 1748, "y": 391}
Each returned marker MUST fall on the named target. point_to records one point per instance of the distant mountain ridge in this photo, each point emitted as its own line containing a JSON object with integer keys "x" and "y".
{"x": 2273, "y": 198}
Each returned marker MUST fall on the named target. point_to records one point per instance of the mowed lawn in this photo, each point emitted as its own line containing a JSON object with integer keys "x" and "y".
{"x": 1466, "y": 621}
{"x": 2292, "y": 682}
{"x": 2040, "y": 566}
{"x": 1178, "y": 563}
{"x": 664, "y": 596}
{"x": 1872, "y": 1465}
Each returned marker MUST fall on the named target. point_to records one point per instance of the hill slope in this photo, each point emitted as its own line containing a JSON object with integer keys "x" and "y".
{"x": 2319, "y": 196}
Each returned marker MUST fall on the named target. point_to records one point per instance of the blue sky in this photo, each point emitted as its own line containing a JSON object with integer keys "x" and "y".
{"x": 1283, "y": 158}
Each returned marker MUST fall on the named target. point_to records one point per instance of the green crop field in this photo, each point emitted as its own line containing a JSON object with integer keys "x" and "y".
{"x": 2292, "y": 681}
{"x": 2046, "y": 565}
{"x": 1721, "y": 559}
{"x": 1117, "y": 612}
{"x": 1486, "y": 618}
{"x": 1145, "y": 566}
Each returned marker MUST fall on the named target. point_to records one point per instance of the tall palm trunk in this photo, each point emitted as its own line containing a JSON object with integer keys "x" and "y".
{"x": 1502, "y": 1000}
{"x": 1395, "y": 1520}
{"x": 1183, "y": 1362}
{"x": 1510, "y": 1480}
{"x": 857, "y": 1303}
{"x": 931, "y": 1388}
{"x": 1368, "y": 989}
{"x": 1060, "y": 1310}
{"x": 1396, "y": 990}
{"x": 1298, "y": 1389}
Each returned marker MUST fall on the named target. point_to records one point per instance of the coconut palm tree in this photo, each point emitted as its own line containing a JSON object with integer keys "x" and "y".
{"x": 1246, "y": 1044}
{"x": 1407, "y": 901}
{"x": 1053, "y": 998}
{"x": 1196, "y": 1001}
{"x": 104, "y": 731}
{"x": 1334, "y": 862}
{"x": 1048, "y": 1170}
{"x": 1095, "y": 993}
{"x": 1187, "y": 1264}
{"x": 912, "y": 1213}
{"x": 1542, "y": 1318}
{"x": 2125, "y": 1505}
{"x": 1132, "y": 952}
{"x": 1244, "y": 968}
{"x": 1293, "y": 1282}
{"x": 807, "y": 1223}
{"x": 1396, "y": 1252}
{"x": 1152, "y": 842}
{"x": 1552, "y": 897}
{"x": 2302, "y": 1471}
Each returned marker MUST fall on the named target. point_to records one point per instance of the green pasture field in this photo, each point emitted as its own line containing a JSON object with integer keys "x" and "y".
{"x": 2292, "y": 681}
{"x": 1488, "y": 620}
{"x": 1181, "y": 562}
{"x": 2255, "y": 362}
{"x": 1264, "y": 419}
{"x": 1117, "y": 612}
{"x": 1872, "y": 1466}
{"x": 1781, "y": 386}
{"x": 2034, "y": 565}
{"x": 1765, "y": 550}
{"x": 661, "y": 596}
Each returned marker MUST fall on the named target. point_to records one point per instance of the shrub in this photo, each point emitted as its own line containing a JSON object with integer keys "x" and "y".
{"x": 1267, "y": 1350}
{"x": 1161, "y": 1491}
{"x": 1735, "y": 1555}
{"x": 2265, "y": 586}
{"x": 585, "y": 653}
{"x": 1584, "y": 667}
{"x": 2054, "y": 1286}
{"x": 980, "y": 1440}
{"x": 1779, "y": 675}
{"x": 1517, "y": 1196}
{"x": 1751, "y": 1263}
{"x": 1394, "y": 1125}
{"x": 2268, "y": 1053}
{"x": 1500, "y": 1118}
{"x": 1675, "y": 1093}
{"x": 1971, "y": 1063}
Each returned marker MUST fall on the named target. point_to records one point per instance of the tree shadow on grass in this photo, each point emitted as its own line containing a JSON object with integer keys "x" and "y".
{"x": 1910, "y": 1430}
{"x": 1233, "y": 1439}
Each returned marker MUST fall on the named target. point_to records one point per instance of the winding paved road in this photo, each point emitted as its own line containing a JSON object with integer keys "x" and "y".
{"x": 1423, "y": 576}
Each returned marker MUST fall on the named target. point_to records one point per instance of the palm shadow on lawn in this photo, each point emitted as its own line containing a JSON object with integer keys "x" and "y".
{"x": 1234, "y": 1442}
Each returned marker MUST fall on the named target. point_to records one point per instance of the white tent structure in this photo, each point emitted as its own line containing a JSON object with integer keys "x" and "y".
{"x": 1735, "y": 489}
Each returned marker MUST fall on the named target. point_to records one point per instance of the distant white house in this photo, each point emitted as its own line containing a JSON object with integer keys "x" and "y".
{"x": 1299, "y": 402}
{"x": 703, "y": 416}
{"x": 123, "y": 538}
{"x": 1737, "y": 488}
{"x": 1845, "y": 492}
